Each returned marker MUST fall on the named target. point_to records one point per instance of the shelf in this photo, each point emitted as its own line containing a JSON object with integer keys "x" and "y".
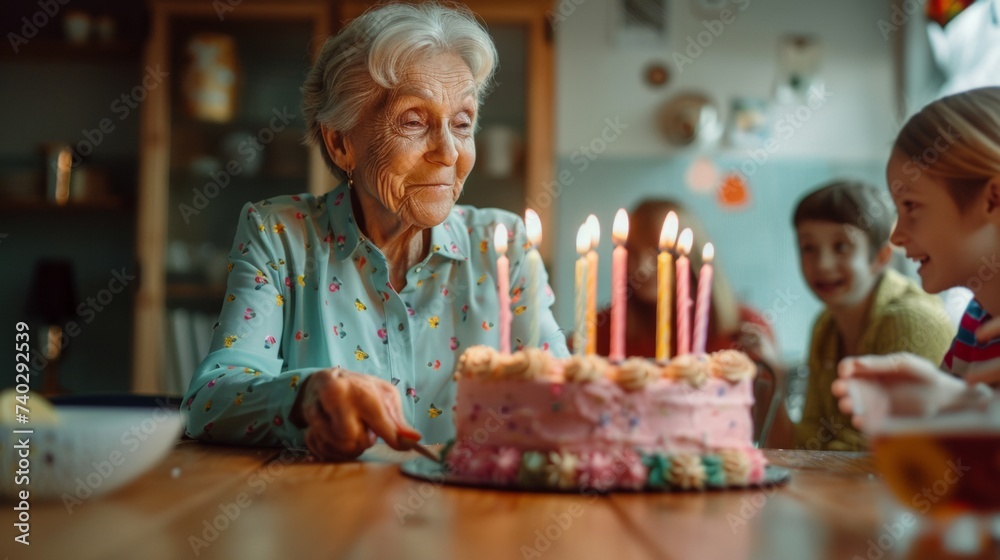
{"x": 54, "y": 50}
{"x": 10, "y": 206}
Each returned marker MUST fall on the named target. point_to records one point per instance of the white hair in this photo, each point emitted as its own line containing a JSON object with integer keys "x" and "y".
{"x": 371, "y": 53}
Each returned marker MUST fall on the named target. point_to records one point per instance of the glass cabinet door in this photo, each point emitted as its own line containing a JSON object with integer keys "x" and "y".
{"x": 228, "y": 131}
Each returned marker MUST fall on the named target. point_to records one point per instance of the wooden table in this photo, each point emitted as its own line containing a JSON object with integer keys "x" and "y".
{"x": 223, "y": 502}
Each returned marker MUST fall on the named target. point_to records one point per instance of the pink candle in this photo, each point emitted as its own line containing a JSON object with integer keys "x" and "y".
{"x": 594, "y": 228}
{"x": 701, "y": 310}
{"x": 503, "y": 286}
{"x": 684, "y": 292}
{"x": 619, "y": 288}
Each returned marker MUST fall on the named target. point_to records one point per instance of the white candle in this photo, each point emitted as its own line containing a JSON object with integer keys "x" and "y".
{"x": 619, "y": 286}
{"x": 684, "y": 292}
{"x": 503, "y": 286}
{"x": 594, "y": 229}
{"x": 532, "y": 274}
{"x": 704, "y": 305}
{"x": 582, "y": 278}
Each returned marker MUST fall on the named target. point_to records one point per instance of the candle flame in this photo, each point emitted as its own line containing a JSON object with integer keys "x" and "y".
{"x": 534, "y": 226}
{"x": 685, "y": 242}
{"x": 707, "y": 253}
{"x": 583, "y": 239}
{"x": 668, "y": 234}
{"x": 500, "y": 239}
{"x": 619, "y": 230}
{"x": 595, "y": 230}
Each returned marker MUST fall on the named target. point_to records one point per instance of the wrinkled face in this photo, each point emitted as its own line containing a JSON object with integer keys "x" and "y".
{"x": 948, "y": 243}
{"x": 836, "y": 262}
{"x": 415, "y": 150}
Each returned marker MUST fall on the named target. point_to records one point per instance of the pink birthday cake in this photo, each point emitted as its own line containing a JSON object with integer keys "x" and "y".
{"x": 530, "y": 420}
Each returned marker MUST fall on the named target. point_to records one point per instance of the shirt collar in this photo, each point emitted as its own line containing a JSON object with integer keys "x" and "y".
{"x": 344, "y": 235}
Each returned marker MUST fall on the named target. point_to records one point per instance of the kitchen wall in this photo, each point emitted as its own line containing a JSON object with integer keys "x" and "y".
{"x": 847, "y": 134}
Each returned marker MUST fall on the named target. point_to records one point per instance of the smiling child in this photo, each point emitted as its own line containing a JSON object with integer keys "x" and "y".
{"x": 843, "y": 234}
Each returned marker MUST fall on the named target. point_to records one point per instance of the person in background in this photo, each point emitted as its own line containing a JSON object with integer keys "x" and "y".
{"x": 346, "y": 312}
{"x": 944, "y": 178}
{"x": 732, "y": 324}
{"x": 843, "y": 236}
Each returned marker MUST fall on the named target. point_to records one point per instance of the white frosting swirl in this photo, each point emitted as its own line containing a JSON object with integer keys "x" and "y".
{"x": 736, "y": 465}
{"x": 585, "y": 369}
{"x": 688, "y": 367}
{"x": 529, "y": 364}
{"x": 732, "y": 365}
{"x": 687, "y": 471}
{"x": 635, "y": 373}
{"x": 477, "y": 362}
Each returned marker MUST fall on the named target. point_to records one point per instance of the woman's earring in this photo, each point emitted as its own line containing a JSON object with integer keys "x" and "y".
{"x": 350, "y": 179}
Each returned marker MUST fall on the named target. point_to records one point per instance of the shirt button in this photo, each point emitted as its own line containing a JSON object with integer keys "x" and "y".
{"x": 401, "y": 327}
{"x": 419, "y": 268}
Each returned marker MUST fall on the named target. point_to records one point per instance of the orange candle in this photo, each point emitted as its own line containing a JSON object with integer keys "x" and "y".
{"x": 704, "y": 302}
{"x": 503, "y": 286}
{"x": 684, "y": 292}
{"x": 594, "y": 228}
{"x": 665, "y": 287}
{"x": 619, "y": 287}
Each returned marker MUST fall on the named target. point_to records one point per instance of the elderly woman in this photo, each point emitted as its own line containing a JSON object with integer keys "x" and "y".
{"x": 345, "y": 313}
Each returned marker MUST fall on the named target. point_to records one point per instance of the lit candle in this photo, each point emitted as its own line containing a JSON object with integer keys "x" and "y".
{"x": 532, "y": 274}
{"x": 684, "y": 292}
{"x": 665, "y": 287}
{"x": 701, "y": 310}
{"x": 503, "y": 286}
{"x": 619, "y": 289}
{"x": 594, "y": 228}
{"x": 580, "y": 327}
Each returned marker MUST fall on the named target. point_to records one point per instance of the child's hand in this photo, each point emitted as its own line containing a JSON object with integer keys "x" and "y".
{"x": 911, "y": 385}
{"x": 757, "y": 344}
{"x": 988, "y": 330}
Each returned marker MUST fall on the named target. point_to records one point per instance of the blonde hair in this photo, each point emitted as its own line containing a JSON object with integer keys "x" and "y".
{"x": 370, "y": 54}
{"x": 956, "y": 139}
{"x": 648, "y": 218}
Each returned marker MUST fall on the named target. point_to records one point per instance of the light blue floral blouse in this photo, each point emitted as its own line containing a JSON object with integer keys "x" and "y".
{"x": 308, "y": 291}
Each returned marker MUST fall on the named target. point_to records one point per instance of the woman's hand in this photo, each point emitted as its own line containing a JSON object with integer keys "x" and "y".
{"x": 906, "y": 384}
{"x": 343, "y": 412}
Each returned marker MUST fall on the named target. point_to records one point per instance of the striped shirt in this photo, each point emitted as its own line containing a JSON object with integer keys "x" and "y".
{"x": 965, "y": 351}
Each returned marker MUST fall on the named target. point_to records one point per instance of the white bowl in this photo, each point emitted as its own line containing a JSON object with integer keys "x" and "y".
{"x": 89, "y": 451}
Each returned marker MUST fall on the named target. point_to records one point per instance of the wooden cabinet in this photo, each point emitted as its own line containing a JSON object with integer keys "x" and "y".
{"x": 198, "y": 168}
{"x": 180, "y": 155}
